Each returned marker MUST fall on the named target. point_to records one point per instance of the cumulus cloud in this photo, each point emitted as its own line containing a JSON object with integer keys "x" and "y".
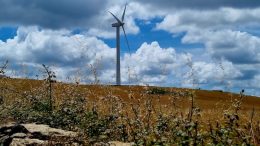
{"x": 33, "y": 46}
{"x": 163, "y": 66}
{"x": 209, "y": 27}
{"x": 206, "y": 72}
{"x": 223, "y": 18}
{"x": 237, "y": 47}
{"x": 151, "y": 63}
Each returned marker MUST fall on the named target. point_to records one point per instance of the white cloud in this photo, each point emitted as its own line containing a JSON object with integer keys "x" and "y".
{"x": 151, "y": 63}
{"x": 163, "y": 66}
{"x": 190, "y": 20}
{"x": 212, "y": 72}
{"x": 59, "y": 48}
{"x": 235, "y": 46}
{"x": 201, "y": 73}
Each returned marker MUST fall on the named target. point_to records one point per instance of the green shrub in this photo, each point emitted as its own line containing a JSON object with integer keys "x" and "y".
{"x": 157, "y": 91}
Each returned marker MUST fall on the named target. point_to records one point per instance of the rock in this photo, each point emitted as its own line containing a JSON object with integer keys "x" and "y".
{"x": 46, "y": 130}
{"x": 5, "y": 140}
{"x": 27, "y": 141}
{"x": 34, "y": 134}
{"x": 9, "y": 125}
{"x": 19, "y": 135}
{"x": 118, "y": 143}
{"x": 113, "y": 143}
{"x": 6, "y": 129}
{"x": 18, "y": 129}
{"x": 101, "y": 144}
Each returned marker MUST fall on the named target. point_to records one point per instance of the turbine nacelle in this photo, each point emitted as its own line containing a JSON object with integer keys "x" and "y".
{"x": 118, "y": 24}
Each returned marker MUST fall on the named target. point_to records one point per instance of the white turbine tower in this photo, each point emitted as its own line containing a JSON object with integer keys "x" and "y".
{"x": 118, "y": 24}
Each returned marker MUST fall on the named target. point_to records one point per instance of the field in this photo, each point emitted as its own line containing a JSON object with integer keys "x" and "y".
{"x": 144, "y": 115}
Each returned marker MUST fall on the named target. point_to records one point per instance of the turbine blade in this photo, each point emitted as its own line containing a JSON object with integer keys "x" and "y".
{"x": 115, "y": 17}
{"x": 126, "y": 39}
{"x": 123, "y": 16}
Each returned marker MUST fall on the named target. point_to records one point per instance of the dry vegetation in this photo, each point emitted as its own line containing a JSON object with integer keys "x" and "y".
{"x": 140, "y": 114}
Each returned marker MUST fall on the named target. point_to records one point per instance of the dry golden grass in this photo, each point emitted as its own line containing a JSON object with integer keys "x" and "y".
{"x": 212, "y": 103}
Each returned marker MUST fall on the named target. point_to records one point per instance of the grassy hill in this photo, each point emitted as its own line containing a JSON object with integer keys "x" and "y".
{"x": 133, "y": 113}
{"x": 205, "y": 99}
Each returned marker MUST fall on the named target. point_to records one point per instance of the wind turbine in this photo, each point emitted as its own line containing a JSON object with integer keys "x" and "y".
{"x": 117, "y": 25}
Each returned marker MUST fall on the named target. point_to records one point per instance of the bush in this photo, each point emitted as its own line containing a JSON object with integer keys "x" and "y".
{"x": 157, "y": 91}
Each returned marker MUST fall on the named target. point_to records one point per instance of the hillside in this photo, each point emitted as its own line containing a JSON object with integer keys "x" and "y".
{"x": 204, "y": 99}
{"x": 100, "y": 111}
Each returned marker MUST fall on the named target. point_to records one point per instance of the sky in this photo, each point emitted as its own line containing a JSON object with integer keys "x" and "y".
{"x": 207, "y": 44}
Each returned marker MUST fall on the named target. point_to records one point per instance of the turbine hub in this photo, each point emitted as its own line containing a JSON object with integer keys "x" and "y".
{"x": 118, "y": 24}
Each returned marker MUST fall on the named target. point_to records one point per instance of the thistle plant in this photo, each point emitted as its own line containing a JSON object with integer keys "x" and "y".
{"x": 50, "y": 79}
{"x": 3, "y": 68}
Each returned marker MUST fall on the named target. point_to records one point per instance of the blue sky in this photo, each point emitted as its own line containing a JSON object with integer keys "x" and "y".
{"x": 199, "y": 44}
{"x": 7, "y": 32}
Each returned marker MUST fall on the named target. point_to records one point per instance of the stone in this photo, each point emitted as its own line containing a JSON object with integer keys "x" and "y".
{"x": 101, "y": 144}
{"x": 19, "y": 135}
{"x": 35, "y": 134}
{"x": 118, "y": 143}
{"x": 9, "y": 125}
{"x": 27, "y": 141}
{"x": 18, "y": 129}
{"x": 5, "y": 140}
{"x": 46, "y": 130}
{"x": 113, "y": 143}
{"x": 6, "y": 128}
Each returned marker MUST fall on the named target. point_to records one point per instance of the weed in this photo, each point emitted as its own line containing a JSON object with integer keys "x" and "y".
{"x": 50, "y": 79}
{"x": 157, "y": 91}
